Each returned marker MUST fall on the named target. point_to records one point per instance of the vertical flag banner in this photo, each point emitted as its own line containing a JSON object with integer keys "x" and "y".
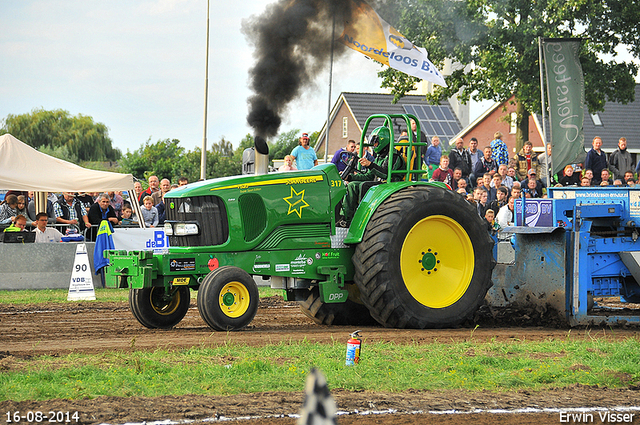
{"x": 370, "y": 35}
{"x": 565, "y": 92}
{"x": 104, "y": 241}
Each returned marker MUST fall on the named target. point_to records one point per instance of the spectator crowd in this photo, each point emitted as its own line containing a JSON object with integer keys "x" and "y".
{"x": 490, "y": 179}
{"x": 82, "y": 213}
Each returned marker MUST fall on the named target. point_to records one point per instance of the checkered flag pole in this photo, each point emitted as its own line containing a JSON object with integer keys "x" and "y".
{"x": 319, "y": 408}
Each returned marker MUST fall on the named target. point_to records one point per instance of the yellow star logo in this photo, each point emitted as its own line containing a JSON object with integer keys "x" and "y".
{"x": 296, "y": 202}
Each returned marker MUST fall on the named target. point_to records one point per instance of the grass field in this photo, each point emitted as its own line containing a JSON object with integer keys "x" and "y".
{"x": 233, "y": 369}
{"x": 230, "y": 368}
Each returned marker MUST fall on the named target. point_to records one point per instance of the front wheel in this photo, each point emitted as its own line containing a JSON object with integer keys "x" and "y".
{"x": 425, "y": 259}
{"x": 228, "y": 299}
{"x": 158, "y": 307}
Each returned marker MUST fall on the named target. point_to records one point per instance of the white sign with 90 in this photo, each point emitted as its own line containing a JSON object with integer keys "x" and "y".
{"x": 81, "y": 284}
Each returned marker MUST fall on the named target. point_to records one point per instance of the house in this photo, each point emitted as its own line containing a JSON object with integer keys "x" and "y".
{"x": 501, "y": 117}
{"x": 351, "y": 110}
{"x": 616, "y": 121}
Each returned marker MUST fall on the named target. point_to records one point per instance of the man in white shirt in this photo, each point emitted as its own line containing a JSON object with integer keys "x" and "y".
{"x": 43, "y": 233}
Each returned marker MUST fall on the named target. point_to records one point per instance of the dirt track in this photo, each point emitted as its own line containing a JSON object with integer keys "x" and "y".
{"x": 92, "y": 327}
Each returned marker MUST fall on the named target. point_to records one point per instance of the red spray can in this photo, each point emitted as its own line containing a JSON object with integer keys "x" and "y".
{"x": 354, "y": 344}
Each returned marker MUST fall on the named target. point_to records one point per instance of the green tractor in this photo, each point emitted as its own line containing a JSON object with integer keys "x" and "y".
{"x": 416, "y": 254}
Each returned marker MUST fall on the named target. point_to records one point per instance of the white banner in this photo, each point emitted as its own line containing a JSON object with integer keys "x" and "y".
{"x": 137, "y": 239}
{"x": 372, "y": 36}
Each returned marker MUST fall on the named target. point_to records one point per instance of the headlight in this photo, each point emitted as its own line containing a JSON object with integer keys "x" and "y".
{"x": 186, "y": 229}
{"x": 168, "y": 229}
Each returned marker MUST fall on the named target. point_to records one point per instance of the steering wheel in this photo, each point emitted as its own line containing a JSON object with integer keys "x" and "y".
{"x": 351, "y": 159}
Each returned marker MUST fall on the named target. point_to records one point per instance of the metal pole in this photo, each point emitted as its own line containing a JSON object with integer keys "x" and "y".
{"x": 326, "y": 134}
{"x": 40, "y": 198}
{"x": 544, "y": 120}
{"x": 203, "y": 156}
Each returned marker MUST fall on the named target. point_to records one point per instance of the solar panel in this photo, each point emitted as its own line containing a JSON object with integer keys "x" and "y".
{"x": 427, "y": 128}
{"x": 438, "y": 112}
{"x": 411, "y": 110}
{"x": 436, "y": 120}
{"x": 437, "y": 128}
{"x": 447, "y": 114}
{"x": 428, "y": 113}
{"x": 420, "y": 114}
{"x": 447, "y": 128}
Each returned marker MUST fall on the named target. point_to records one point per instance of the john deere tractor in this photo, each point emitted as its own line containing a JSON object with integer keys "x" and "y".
{"x": 415, "y": 255}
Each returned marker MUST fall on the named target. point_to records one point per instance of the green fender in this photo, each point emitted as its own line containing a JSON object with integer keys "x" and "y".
{"x": 372, "y": 200}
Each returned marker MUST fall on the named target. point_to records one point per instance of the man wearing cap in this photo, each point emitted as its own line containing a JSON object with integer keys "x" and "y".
{"x": 304, "y": 154}
{"x": 533, "y": 175}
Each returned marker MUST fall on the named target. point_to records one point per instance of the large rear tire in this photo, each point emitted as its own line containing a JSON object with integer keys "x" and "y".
{"x": 228, "y": 299}
{"x": 156, "y": 308}
{"x": 425, "y": 260}
{"x": 348, "y": 313}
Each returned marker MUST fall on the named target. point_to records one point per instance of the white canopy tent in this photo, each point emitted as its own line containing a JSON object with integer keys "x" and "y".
{"x": 24, "y": 168}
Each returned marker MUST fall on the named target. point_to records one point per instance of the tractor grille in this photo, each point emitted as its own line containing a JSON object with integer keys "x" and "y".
{"x": 210, "y": 214}
{"x": 254, "y": 215}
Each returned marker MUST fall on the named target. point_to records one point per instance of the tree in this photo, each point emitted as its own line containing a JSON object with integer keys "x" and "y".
{"x": 162, "y": 159}
{"x": 246, "y": 142}
{"x": 61, "y": 152}
{"x": 284, "y": 144}
{"x": 223, "y": 147}
{"x": 223, "y": 166}
{"x": 74, "y": 137}
{"x": 167, "y": 159}
{"x": 499, "y": 40}
{"x": 278, "y": 148}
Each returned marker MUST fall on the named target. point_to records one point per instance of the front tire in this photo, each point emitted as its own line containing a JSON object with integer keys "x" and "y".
{"x": 156, "y": 308}
{"x": 228, "y": 299}
{"x": 425, "y": 260}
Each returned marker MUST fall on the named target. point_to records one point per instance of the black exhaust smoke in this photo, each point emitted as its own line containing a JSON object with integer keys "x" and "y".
{"x": 292, "y": 40}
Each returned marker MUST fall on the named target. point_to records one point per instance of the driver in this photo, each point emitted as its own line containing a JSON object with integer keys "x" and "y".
{"x": 376, "y": 173}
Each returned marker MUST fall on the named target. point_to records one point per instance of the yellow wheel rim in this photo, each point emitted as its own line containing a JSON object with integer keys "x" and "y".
{"x": 234, "y": 299}
{"x": 161, "y": 303}
{"x": 437, "y": 261}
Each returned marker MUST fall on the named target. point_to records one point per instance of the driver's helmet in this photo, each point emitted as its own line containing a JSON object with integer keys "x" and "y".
{"x": 382, "y": 136}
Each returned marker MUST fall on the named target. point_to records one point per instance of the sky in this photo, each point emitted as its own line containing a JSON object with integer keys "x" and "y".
{"x": 139, "y": 68}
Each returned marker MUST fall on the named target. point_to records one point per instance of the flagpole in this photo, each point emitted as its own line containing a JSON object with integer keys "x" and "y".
{"x": 544, "y": 120}
{"x": 203, "y": 155}
{"x": 326, "y": 134}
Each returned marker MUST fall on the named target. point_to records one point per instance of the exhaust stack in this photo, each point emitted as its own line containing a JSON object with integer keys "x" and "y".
{"x": 262, "y": 155}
